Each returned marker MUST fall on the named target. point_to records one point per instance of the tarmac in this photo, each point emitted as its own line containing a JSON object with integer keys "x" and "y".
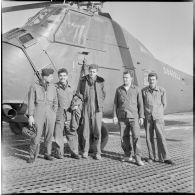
{"x": 108, "y": 175}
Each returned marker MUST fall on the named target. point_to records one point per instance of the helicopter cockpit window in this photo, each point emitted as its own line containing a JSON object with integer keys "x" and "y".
{"x": 73, "y": 29}
{"x": 25, "y": 38}
{"x": 49, "y": 17}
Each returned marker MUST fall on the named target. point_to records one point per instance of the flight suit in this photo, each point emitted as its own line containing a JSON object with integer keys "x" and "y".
{"x": 42, "y": 106}
{"x": 154, "y": 104}
{"x": 64, "y": 119}
{"x": 129, "y": 107}
{"x": 93, "y": 94}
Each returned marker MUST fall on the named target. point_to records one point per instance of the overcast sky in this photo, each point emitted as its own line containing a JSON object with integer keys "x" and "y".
{"x": 165, "y": 28}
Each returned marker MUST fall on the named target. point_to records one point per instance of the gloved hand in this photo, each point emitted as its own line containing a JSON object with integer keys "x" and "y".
{"x": 31, "y": 120}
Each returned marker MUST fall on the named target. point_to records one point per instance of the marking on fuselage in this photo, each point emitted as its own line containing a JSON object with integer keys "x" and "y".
{"x": 171, "y": 73}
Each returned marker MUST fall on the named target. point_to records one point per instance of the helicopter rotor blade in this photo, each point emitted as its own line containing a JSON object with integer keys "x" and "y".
{"x": 27, "y": 6}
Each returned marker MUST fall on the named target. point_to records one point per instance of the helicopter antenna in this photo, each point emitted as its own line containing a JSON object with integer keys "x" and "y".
{"x": 50, "y": 59}
{"x": 92, "y": 6}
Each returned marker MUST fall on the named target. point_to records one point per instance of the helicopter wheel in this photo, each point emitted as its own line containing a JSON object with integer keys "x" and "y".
{"x": 17, "y": 128}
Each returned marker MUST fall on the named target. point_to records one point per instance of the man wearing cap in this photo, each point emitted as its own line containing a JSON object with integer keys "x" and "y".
{"x": 42, "y": 107}
{"x": 154, "y": 98}
{"x": 93, "y": 93}
{"x": 64, "y": 118}
{"x": 128, "y": 111}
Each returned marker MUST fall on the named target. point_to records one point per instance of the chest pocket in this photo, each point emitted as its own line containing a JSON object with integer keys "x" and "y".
{"x": 148, "y": 98}
{"x": 121, "y": 97}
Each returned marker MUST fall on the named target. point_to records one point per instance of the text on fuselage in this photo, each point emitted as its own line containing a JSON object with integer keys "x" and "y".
{"x": 171, "y": 73}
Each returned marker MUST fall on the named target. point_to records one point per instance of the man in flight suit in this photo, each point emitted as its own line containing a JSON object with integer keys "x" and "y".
{"x": 129, "y": 113}
{"x": 92, "y": 91}
{"x": 155, "y": 102}
{"x": 42, "y": 107}
{"x": 64, "y": 117}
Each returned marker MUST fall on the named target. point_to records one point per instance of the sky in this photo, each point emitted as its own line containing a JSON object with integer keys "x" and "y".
{"x": 164, "y": 28}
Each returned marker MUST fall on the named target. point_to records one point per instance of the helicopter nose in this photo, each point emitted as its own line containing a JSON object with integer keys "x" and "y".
{"x": 17, "y": 74}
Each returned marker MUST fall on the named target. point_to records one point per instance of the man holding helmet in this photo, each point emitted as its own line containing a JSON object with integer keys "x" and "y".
{"x": 42, "y": 107}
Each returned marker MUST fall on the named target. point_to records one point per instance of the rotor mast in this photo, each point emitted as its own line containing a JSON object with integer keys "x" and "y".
{"x": 92, "y": 6}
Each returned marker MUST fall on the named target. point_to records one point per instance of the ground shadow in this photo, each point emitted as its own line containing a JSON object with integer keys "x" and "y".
{"x": 144, "y": 137}
{"x": 115, "y": 127}
{"x": 18, "y": 151}
{"x": 118, "y": 156}
{"x": 178, "y": 123}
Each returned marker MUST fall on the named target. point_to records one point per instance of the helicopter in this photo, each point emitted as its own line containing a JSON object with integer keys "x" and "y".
{"x": 74, "y": 35}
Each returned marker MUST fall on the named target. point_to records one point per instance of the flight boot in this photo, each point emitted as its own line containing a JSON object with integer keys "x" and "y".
{"x": 138, "y": 160}
{"x": 76, "y": 156}
{"x": 48, "y": 157}
{"x": 98, "y": 157}
{"x": 169, "y": 162}
{"x": 59, "y": 154}
{"x": 85, "y": 155}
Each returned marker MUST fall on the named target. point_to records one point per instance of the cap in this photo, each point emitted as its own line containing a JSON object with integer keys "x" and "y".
{"x": 47, "y": 71}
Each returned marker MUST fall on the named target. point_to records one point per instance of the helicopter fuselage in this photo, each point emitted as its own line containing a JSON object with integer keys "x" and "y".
{"x": 61, "y": 36}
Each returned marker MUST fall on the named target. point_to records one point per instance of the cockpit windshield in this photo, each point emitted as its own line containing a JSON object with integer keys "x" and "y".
{"x": 64, "y": 25}
{"x": 73, "y": 29}
{"x": 48, "y": 18}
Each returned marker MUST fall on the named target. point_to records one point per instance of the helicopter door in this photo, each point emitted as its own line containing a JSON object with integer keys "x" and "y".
{"x": 38, "y": 56}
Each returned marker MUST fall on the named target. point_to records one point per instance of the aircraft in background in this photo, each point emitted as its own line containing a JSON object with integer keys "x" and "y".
{"x": 74, "y": 35}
